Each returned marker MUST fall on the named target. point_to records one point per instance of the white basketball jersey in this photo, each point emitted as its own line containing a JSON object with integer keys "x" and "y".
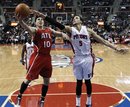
{"x": 29, "y": 49}
{"x": 80, "y": 41}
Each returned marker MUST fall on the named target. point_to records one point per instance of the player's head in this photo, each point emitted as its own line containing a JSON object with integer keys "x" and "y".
{"x": 77, "y": 20}
{"x": 39, "y": 22}
{"x": 29, "y": 40}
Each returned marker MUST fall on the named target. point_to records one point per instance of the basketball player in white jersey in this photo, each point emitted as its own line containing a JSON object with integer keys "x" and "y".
{"x": 84, "y": 60}
{"x": 27, "y": 51}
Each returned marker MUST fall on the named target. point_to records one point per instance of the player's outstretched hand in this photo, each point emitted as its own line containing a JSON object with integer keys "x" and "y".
{"x": 38, "y": 13}
{"x": 122, "y": 50}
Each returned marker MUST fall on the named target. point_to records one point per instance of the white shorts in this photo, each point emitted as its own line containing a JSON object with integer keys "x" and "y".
{"x": 83, "y": 67}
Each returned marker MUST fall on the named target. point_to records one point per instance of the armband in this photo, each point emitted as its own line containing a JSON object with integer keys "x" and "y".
{"x": 55, "y": 23}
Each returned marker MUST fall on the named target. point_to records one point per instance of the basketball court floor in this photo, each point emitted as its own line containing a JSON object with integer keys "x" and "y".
{"x": 111, "y": 81}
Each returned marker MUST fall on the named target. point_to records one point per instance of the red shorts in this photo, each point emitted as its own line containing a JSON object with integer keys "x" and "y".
{"x": 32, "y": 57}
{"x": 41, "y": 65}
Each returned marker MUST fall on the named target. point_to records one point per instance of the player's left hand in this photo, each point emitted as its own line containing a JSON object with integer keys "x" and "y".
{"x": 18, "y": 17}
{"x": 122, "y": 50}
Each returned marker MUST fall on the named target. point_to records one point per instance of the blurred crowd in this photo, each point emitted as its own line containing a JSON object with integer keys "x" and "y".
{"x": 110, "y": 23}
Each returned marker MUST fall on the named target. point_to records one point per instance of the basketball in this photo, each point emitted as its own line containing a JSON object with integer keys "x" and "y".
{"x": 23, "y": 10}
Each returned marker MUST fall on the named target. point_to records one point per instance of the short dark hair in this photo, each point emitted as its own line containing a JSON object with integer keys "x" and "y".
{"x": 36, "y": 18}
{"x": 81, "y": 18}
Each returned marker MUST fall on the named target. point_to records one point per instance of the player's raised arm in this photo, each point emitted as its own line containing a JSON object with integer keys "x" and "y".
{"x": 57, "y": 33}
{"x": 52, "y": 21}
{"x": 105, "y": 42}
{"x": 31, "y": 30}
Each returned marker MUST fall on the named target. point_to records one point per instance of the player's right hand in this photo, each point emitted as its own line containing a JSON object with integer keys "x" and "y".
{"x": 37, "y": 13}
{"x": 22, "y": 61}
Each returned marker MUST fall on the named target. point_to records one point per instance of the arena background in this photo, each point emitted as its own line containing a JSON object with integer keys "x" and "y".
{"x": 109, "y": 18}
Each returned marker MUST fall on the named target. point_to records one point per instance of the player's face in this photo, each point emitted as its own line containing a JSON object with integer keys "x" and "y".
{"x": 39, "y": 22}
{"x": 29, "y": 40}
{"x": 76, "y": 20}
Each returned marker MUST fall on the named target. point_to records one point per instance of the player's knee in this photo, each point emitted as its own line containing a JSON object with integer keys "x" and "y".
{"x": 79, "y": 83}
{"x": 88, "y": 86}
{"x": 79, "y": 87}
{"x": 46, "y": 81}
{"x": 88, "y": 82}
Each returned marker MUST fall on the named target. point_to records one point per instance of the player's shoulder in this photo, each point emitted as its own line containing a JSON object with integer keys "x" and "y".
{"x": 90, "y": 30}
{"x": 73, "y": 28}
{"x": 27, "y": 44}
{"x": 33, "y": 29}
{"x": 49, "y": 28}
{"x": 84, "y": 27}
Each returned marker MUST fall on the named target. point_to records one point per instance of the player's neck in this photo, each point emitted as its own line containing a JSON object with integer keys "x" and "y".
{"x": 41, "y": 27}
{"x": 78, "y": 27}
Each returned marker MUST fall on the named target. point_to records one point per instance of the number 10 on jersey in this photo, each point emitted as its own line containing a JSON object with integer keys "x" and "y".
{"x": 47, "y": 44}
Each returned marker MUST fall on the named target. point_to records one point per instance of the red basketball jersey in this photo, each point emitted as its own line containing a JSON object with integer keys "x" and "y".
{"x": 40, "y": 61}
{"x": 43, "y": 40}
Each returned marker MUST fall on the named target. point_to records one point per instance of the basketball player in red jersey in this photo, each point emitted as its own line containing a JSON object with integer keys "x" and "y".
{"x": 83, "y": 62}
{"x": 41, "y": 64}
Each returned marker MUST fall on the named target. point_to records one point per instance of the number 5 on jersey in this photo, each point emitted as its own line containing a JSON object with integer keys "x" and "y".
{"x": 80, "y": 43}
